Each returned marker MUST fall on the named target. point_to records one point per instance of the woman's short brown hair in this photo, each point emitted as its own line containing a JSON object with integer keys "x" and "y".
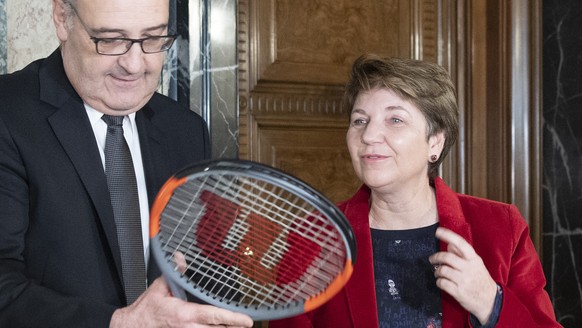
{"x": 427, "y": 85}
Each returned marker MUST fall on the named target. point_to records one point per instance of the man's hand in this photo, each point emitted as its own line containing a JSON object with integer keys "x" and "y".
{"x": 156, "y": 307}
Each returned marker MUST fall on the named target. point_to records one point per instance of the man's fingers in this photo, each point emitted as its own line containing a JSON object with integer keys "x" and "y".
{"x": 180, "y": 261}
{"x": 217, "y": 316}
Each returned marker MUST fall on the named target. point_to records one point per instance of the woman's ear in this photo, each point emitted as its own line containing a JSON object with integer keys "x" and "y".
{"x": 436, "y": 143}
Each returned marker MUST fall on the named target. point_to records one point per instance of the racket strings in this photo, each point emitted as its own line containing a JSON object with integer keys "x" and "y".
{"x": 221, "y": 237}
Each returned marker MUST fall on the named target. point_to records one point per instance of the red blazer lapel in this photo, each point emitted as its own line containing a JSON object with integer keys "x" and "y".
{"x": 361, "y": 288}
{"x": 450, "y": 211}
{"x": 451, "y": 217}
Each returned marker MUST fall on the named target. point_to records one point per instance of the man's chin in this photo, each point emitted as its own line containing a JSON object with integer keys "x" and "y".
{"x": 122, "y": 104}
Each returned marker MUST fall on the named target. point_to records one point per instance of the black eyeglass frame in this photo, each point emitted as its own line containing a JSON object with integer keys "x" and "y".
{"x": 129, "y": 45}
{"x": 97, "y": 40}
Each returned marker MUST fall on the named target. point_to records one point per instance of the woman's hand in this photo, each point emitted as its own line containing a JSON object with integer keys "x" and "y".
{"x": 461, "y": 273}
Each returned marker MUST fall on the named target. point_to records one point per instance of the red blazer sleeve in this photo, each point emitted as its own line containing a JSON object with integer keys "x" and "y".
{"x": 300, "y": 321}
{"x": 500, "y": 236}
{"x": 525, "y": 301}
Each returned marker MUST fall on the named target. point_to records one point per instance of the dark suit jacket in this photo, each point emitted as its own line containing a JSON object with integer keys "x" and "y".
{"x": 499, "y": 235}
{"x": 59, "y": 255}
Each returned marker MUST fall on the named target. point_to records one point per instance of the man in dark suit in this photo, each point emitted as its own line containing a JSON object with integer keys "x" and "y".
{"x": 60, "y": 262}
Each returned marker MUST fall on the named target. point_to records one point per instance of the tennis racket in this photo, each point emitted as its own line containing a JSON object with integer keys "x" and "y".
{"x": 249, "y": 238}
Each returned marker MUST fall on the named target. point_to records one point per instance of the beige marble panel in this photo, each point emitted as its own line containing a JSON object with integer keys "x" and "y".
{"x": 31, "y": 33}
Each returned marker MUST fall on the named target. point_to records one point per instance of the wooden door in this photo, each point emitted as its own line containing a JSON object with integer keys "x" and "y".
{"x": 294, "y": 58}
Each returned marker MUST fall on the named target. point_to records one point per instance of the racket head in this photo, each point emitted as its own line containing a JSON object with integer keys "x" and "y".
{"x": 250, "y": 238}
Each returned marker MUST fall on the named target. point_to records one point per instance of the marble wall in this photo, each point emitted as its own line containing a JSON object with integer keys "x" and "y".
{"x": 3, "y": 35}
{"x": 211, "y": 86}
{"x": 30, "y": 32}
{"x": 562, "y": 177}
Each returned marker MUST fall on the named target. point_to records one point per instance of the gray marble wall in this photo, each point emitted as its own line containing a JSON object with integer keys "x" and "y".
{"x": 210, "y": 57}
{"x": 30, "y": 33}
{"x": 562, "y": 177}
{"x": 3, "y": 46}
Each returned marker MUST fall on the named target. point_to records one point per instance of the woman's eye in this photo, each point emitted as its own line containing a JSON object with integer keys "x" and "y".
{"x": 396, "y": 120}
{"x": 359, "y": 121}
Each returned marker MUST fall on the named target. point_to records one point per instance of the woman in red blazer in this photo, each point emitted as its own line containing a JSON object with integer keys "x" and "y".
{"x": 427, "y": 256}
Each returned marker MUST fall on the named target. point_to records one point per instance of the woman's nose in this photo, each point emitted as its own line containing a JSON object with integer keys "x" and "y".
{"x": 372, "y": 133}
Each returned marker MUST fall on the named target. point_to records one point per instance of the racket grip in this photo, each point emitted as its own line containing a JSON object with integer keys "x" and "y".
{"x": 175, "y": 289}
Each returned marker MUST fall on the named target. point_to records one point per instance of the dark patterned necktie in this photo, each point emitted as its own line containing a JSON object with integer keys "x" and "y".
{"x": 124, "y": 199}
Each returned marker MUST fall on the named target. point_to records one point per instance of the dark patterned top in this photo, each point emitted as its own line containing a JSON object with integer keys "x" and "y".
{"x": 406, "y": 293}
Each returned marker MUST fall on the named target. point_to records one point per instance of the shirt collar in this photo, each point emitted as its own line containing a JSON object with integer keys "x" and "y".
{"x": 95, "y": 116}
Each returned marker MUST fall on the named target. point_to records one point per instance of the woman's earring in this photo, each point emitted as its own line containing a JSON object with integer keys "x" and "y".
{"x": 433, "y": 158}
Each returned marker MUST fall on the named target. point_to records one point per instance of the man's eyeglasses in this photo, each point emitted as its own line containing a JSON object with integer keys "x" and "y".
{"x": 120, "y": 46}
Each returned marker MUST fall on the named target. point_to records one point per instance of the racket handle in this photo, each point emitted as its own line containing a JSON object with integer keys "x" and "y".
{"x": 176, "y": 290}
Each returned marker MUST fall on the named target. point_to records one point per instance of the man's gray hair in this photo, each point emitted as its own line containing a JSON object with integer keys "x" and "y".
{"x": 68, "y": 7}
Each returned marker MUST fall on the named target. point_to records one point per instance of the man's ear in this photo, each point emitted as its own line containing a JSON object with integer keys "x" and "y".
{"x": 60, "y": 20}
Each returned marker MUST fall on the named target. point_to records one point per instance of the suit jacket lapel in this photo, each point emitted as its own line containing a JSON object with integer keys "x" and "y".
{"x": 150, "y": 137}
{"x": 73, "y": 130}
{"x": 451, "y": 217}
{"x": 361, "y": 288}
{"x": 450, "y": 211}
{"x": 152, "y": 150}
